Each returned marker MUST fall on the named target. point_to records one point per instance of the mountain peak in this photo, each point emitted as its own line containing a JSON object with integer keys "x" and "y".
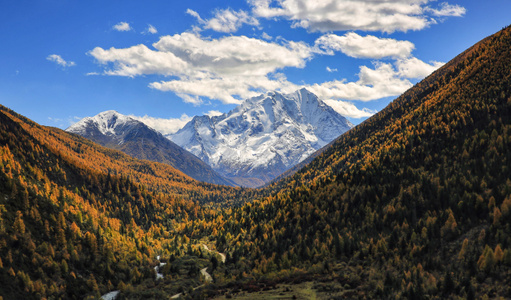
{"x": 108, "y": 113}
{"x": 304, "y": 91}
{"x": 105, "y": 122}
{"x": 264, "y": 136}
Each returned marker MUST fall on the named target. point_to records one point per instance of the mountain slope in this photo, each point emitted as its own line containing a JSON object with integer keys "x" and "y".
{"x": 398, "y": 203}
{"x": 65, "y": 223}
{"x": 116, "y": 131}
{"x": 78, "y": 220}
{"x": 264, "y": 136}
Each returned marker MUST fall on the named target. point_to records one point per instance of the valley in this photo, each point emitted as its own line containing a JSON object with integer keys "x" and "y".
{"x": 414, "y": 203}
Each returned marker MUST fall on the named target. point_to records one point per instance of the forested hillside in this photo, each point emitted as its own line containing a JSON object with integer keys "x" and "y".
{"x": 415, "y": 202}
{"x": 77, "y": 218}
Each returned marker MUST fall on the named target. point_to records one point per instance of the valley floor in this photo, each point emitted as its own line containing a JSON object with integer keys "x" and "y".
{"x": 305, "y": 290}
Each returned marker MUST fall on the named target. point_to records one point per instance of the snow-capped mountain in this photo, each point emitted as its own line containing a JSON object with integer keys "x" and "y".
{"x": 264, "y": 136}
{"x": 106, "y": 128}
{"x": 116, "y": 131}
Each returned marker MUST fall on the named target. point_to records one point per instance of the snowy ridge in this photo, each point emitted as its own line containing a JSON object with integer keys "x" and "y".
{"x": 264, "y": 136}
{"x": 116, "y": 131}
{"x": 109, "y": 123}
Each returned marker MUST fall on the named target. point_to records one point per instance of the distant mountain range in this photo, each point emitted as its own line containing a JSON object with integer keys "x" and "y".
{"x": 263, "y": 137}
{"x": 248, "y": 146}
{"x": 116, "y": 131}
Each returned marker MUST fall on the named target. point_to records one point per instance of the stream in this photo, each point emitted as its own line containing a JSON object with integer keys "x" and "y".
{"x": 207, "y": 277}
{"x": 157, "y": 269}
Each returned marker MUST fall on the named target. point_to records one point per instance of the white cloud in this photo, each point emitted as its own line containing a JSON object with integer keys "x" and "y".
{"x": 383, "y": 81}
{"x": 189, "y": 54}
{"x": 164, "y": 126}
{"x": 447, "y": 10}
{"x": 139, "y": 60}
{"x": 366, "y": 15}
{"x": 368, "y": 46}
{"x": 266, "y": 36}
{"x": 235, "y": 55}
{"x": 195, "y": 14}
{"x": 60, "y": 61}
{"x": 193, "y": 99}
{"x": 348, "y": 109}
{"x": 228, "y": 69}
{"x": 214, "y": 113}
{"x": 151, "y": 29}
{"x": 234, "y": 68}
{"x": 228, "y": 89}
{"x": 122, "y": 26}
{"x": 228, "y": 20}
{"x": 225, "y": 20}
{"x": 416, "y": 68}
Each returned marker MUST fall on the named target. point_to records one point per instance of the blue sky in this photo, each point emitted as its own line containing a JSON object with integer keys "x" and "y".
{"x": 166, "y": 61}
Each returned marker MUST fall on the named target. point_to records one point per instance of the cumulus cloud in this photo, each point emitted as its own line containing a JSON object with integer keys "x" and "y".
{"x": 164, "y": 126}
{"x": 191, "y": 55}
{"x": 235, "y": 55}
{"x": 416, "y": 68}
{"x": 368, "y": 46}
{"x": 60, "y": 61}
{"x": 228, "y": 69}
{"x": 122, "y": 26}
{"x": 342, "y": 15}
{"x": 382, "y": 81}
{"x": 385, "y": 79}
{"x": 233, "y": 68}
{"x": 139, "y": 60}
{"x": 228, "y": 89}
{"x": 348, "y": 109}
